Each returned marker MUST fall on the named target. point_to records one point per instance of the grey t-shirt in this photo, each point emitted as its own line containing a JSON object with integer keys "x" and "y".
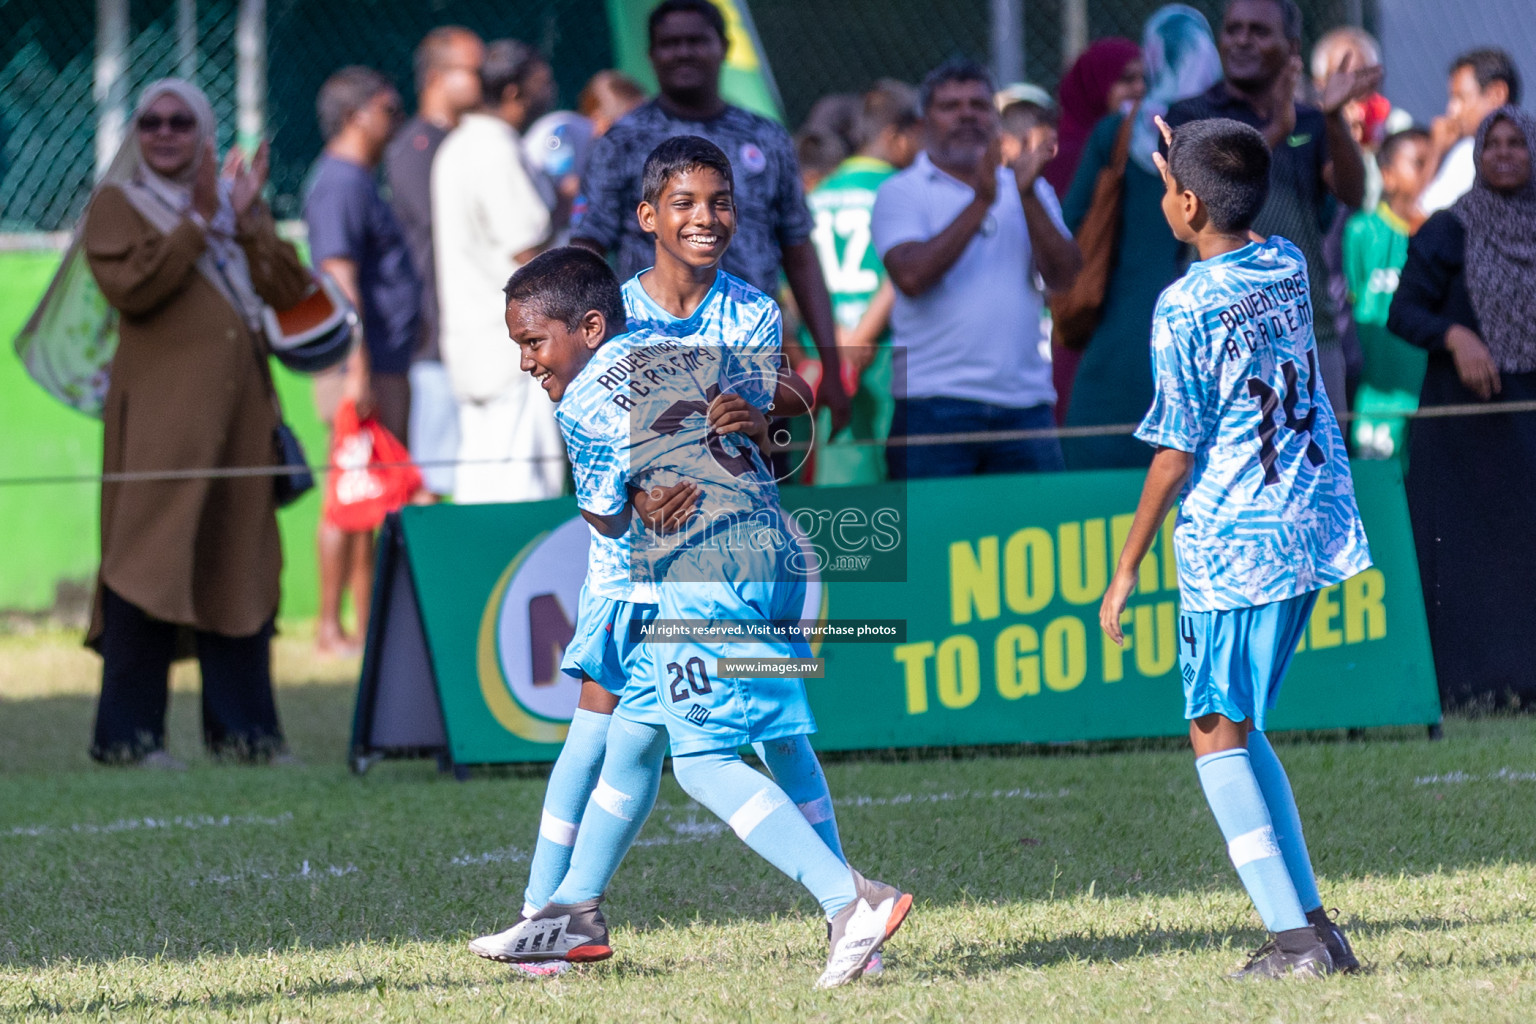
{"x": 770, "y": 205}
{"x": 348, "y": 219}
{"x": 408, "y": 170}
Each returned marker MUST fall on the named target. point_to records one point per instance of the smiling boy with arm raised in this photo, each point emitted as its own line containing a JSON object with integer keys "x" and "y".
{"x": 1244, "y": 432}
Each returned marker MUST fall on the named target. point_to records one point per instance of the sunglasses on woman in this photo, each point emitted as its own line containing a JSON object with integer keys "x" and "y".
{"x": 179, "y": 124}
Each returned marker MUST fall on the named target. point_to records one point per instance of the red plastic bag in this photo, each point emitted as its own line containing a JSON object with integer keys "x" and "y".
{"x": 371, "y": 473}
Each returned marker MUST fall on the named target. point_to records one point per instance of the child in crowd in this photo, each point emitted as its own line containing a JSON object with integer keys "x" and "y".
{"x": 1244, "y": 433}
{"x": 888, "y": 133}
{"x": 1025, "y": 125}
{"x": 1375, "y": 249}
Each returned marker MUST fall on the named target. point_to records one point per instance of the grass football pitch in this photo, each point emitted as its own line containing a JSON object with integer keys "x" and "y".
{"x": 1074, "y": 884}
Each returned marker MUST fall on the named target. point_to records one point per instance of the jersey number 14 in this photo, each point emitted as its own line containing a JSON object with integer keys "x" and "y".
{"x": 1271, "y": 401}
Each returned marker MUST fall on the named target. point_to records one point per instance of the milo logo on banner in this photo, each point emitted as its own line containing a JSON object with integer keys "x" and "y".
{"x": 528, "y": 622}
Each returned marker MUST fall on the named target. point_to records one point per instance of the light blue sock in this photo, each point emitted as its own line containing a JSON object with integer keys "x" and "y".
{"x": 1233, "y": 793}
{"x": 798, "y": 772}
{"x": 565, "y": 798}
{"x": 768, "y": 821}
{"x": 1282, "y": 811}
{"x": 620, "y": 803}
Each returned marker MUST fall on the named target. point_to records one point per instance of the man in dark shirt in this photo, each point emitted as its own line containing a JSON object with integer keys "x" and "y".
{"x": 354, "y": 237}
{"x": 448, "y": 63}
{"x": 688, "y": 43}
{"x": 1314, "y": 159}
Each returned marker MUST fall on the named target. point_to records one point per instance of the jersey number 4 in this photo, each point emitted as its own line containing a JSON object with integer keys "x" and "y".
{"x": 671, "y": 421}
{"x": 1271, "y": 401}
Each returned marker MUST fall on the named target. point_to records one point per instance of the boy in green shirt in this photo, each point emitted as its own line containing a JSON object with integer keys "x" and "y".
{"x": 887, "y": 132}
{"x": 1375, "y": 248}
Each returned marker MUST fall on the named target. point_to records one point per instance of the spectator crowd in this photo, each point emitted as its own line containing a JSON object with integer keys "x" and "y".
{"x": 953, "y": 257}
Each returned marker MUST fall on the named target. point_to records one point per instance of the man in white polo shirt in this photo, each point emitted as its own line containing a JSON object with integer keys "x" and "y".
{"x": 488, "y": 219}
{"x": 967, "y": 243}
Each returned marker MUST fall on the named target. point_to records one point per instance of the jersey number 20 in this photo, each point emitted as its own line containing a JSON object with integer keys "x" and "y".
{"x": 689, "y": 676}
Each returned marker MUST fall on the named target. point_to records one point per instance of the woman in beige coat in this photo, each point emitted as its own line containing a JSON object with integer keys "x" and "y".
{"x": 188, "y": 262}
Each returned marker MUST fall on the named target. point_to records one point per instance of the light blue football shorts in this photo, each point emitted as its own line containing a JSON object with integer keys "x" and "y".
{"x": 1233, "y": 661}
{"x": 722, "y": 580}
{"x": 602, "y": 648}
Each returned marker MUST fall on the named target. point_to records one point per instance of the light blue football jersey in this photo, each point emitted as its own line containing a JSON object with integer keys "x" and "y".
{"x": 1269, "y": 512}
{"x": 636, "y": 417}
{"x": 733, "y": 314}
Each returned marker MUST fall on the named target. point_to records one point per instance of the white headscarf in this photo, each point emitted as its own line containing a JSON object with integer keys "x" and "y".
{"x": 68, "y": 343}
{"x": 164, "y": 202}
{"x": 1181, "y": 61}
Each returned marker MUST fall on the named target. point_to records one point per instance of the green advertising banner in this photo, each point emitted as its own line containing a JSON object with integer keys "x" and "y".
{"x": 998, "y": 580}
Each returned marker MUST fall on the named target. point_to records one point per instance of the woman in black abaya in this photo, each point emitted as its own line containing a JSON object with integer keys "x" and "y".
{"x": 1468, "y": 295}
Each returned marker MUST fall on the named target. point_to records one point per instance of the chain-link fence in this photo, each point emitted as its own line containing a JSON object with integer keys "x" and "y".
{"x": 51, "y": 99}
{"x": 823, "y": 46}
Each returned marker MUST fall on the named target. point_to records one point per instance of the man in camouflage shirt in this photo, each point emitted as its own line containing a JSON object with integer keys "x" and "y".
{"x": 688, "y": 44}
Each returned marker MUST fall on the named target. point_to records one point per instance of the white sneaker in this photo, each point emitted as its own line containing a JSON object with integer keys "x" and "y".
{"x": 861, "y": 928}
{"x": 576, "y": 933}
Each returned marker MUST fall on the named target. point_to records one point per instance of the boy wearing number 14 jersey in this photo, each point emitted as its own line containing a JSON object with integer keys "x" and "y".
{"x": 1244, "y": 432}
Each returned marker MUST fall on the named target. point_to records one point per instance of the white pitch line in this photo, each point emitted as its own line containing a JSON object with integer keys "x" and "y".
{"x": 1459, "y": 777}
{"x": 134, "y": 824}
{"x": 941, "y": 798}
{"x": 304, "y": 874}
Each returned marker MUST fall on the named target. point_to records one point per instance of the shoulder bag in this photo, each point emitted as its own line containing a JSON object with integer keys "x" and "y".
{"x": 1075, "y": 312}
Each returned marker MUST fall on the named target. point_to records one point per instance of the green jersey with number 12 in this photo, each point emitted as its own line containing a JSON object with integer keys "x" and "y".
{"x": 841, "y": 208}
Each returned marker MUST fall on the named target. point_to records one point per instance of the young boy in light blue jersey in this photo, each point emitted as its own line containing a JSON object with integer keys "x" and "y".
{"x": 689, "y": 208}
{"x": 1244, "y": 431}
{"x": 634, "y": 411}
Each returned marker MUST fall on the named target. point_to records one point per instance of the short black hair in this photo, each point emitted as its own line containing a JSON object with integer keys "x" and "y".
{"x": 833, "y": 114}
{"x": 678, "y": 155}
{"x": 820, "y": 151}
{"x": 1225, "y": 163}
{"x": 563, "y": 284}
{"x": 1396, "y": 141}
{"x": 1290, "y": 17}
{"x": 888, "y": 104}
{"x": 1020, "y": 116}
{"x": 435, "y": 49}
{"x": 507, "y": 62}
{"x": 344, "y": 94}
{"x": 1490, "y": 65}
{"x": 703, "y": 8}
{"x": 958, "y": 70}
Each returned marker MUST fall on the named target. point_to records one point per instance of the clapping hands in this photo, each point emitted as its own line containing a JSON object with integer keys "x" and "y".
{"x": 1347, "y": 84}
{"x": 247, "y": 178}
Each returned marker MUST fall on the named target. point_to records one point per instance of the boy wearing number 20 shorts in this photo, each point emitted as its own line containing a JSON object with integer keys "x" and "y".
{"x": 635, "y": 409}
{"x": 1245, "y": 435}
{"x": 689, "y": 207}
